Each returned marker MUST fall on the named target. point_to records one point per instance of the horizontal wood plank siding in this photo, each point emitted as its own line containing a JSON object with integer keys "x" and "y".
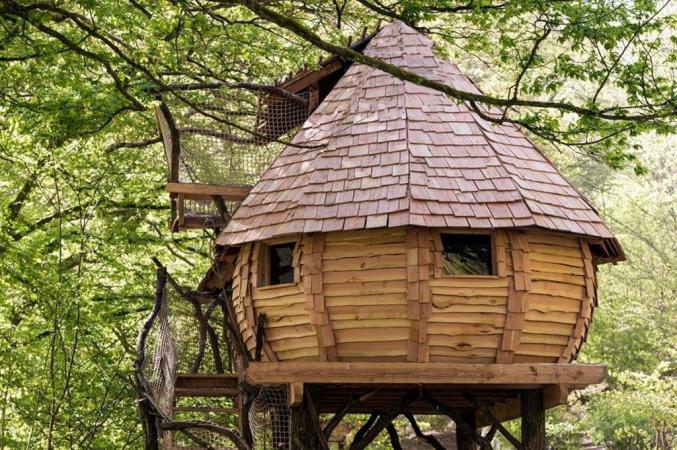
{"x": 380, "y": 295}
{"x": 365, "y": 291}
{"x": 555, "y": 300}
{"x": 468, "y": 313}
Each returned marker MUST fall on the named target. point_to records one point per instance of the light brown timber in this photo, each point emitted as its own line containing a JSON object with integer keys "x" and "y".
{"x": 268, "y": 373}
{"x": 381, "y": 295}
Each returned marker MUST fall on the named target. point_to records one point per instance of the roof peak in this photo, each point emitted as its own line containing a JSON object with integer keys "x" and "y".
{"x": 392, "y": 153}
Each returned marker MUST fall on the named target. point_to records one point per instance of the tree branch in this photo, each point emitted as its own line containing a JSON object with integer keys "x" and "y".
{"x": 139, "y": 144}
{"x": 611, "y": 113}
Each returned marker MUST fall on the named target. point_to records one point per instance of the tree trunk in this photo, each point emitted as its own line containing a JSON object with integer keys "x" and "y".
{"x": 533, "y": 420}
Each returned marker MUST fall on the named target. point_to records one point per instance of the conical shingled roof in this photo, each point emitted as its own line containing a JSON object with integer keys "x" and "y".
{"x": 393, "y": 153}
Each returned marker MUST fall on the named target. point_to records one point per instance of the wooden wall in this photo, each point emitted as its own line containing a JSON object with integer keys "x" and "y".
{"x": 381, "y": 295}
{"x": 365, "y": 290}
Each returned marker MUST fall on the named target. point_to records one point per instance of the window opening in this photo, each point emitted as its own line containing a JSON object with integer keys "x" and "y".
{"x": 280, "y": 268}
{"x": 466, "y": 254}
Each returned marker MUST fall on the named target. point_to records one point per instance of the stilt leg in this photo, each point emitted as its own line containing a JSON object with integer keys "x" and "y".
{"x": 464, "y": 440}
{"x": 533, "y": 419}
{"x": 394, "y": 438}
{"x": 303, "y": 433}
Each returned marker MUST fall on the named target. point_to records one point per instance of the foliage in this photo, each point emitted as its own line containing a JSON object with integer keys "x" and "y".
{"x": 642, "y": 413}
{"x": 633, "y": 330}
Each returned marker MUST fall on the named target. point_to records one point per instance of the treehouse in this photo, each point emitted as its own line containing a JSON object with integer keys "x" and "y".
{"x": 404, "y": 254}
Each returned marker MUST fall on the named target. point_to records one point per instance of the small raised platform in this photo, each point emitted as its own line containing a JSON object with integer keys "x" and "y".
{"x": 206, "y": 385}
{"x": 200, "y": 206}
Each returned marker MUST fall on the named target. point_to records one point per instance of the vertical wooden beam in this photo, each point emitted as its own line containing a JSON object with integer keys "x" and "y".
{"x": 518, "y": 296}
{"x": 584, "y": 318}
{"x": 313, "y": 97}
{"x": 425, "y": 297}
{"x": 419, "y": 302}
{"x": 313, "y": 249}
{"x": 413, "y": 292}
{"x": 245, "y": 297}
{"x": 313, "y": 411}
{"x": 394, "y": 438}
{"x": 438, "y": 253}
{"x": 295, "y": 394}
{"x": 500, "y": 245}
{"x": 181, "y": 210}
{"x": 303, "y": 434}
{"x": 533, "y": 419}
{"x": 258, "y": 261}
{"x": 464, "y": 440}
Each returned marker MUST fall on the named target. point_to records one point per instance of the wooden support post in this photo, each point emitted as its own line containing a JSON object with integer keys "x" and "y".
{"x": 338, "y": 417}
{"x": 533, "y": 419}
{"x": 492, "y": 419}
{"x": 315, "y": 419}
{"x": 366, "y": 426}
{"x": 295, "y": 394}
{"x": 383, "y": 421}
{"x": 394, "y": 438}
{"x": 463, "y": 422}
{"x": 464, "y": 440}
{"x": 429, "y": 438}
{"x": 303, "y": 435}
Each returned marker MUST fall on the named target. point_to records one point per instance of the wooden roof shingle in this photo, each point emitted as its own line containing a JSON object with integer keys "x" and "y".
{"x": 389, "y": 153}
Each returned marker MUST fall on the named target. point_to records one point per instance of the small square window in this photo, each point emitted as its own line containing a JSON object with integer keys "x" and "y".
{"x": 467, "y": 254}
{"x": 278, "y": 264}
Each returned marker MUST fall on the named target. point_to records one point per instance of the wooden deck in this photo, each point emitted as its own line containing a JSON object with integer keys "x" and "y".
{"x": 445, "y": 374}
{"x": 362, "y": 387}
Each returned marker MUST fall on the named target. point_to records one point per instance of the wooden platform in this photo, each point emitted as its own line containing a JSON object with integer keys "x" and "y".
{"x": 450, "y": 374}
{"x": 206, "y": 385}
{"x": 370, "y": 387}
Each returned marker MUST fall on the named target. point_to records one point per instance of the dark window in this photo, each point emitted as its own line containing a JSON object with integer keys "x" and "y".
{"x": 280, "y": 263}
{"x": 467, "y": 254}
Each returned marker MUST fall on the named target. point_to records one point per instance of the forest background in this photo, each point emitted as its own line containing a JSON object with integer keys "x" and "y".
{"x": 82, "y": 175}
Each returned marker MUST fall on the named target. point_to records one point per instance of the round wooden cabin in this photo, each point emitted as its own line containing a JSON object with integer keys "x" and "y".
{"x": 402, "y": 226}
{"x": 417, "y": 294}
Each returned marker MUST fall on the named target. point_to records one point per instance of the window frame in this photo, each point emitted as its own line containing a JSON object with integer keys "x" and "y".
{"x": 263, "y": 263}
{"x": 493, "y": 249}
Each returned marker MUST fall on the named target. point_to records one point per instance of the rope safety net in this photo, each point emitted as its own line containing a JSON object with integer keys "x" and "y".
{"x": 186, "y": 334}
{"x": 269, "y": 418}
{"x": 225, "y": 137}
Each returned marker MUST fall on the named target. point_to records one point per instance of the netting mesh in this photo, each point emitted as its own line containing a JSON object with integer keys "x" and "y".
{"x": 201, "y": 435}
{"x": 269, "y": 418}
{"x": 187, "y": 335}
{"x": 229, "y": 136}
{"x": 211, "y": 213}
{"x": 159, "y": 364}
